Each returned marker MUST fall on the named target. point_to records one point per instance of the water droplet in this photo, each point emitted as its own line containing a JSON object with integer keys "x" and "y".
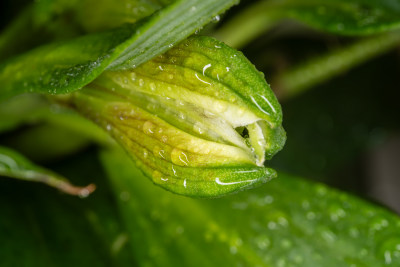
{"x": 283, "y": 221}
{"x": 310, "y": 215}
{"x": 141, "y": 82}
{"x": 108, "y": 127}
{"x": 377, "y": 224}
{"x": 268, "y": 199}
{"x": 158, "y": 177}
{"x": 173, "y": 170}
{"x": 328, "y": 235}
{"x": 216, "y": 19}
{"x": 336, "y": 212}
{"x": 389, "y": 250}
{"x": 198, "y": 127}
{"x": 272, "y": 225}
{"x": 179, "y": 157}
{"x": 281, "y": 262}
{"x": 198, "y": 30}
{"x": 152, "y": 86}
{"x": 262, "y": 242}
{"x": 297, "y": 258}
{"x": 158, "y": 152}
{"x": 182, "y": 115}
{"x": 321, "y": 190}
{"x": 205, "y": 68}
{"x": 148, "y": 127}
{"x": 145, "y": 153}
{"x": 286, "y": 243}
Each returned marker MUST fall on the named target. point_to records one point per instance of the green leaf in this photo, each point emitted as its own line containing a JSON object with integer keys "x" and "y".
{"x": 14, "y": 165}
{"x": 199, "y": 120}
{"x": 60, "y": 68}
{"x": 357, "y": 17}
{"x": 41, "y": 227}
{"x": 344, "y": 17}
{"x": 108, "y": 14}
{"x": 290, "y": 222}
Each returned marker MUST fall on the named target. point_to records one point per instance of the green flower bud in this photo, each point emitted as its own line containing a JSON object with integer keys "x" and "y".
{"x": 199, "y": 120}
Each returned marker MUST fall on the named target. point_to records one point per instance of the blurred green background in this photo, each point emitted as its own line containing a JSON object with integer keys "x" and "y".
{"x": 343, "y": 132}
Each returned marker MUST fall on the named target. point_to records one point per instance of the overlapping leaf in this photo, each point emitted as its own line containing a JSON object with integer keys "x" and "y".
{"x": 64, "y": 67}
{"x": 289, "y": 223}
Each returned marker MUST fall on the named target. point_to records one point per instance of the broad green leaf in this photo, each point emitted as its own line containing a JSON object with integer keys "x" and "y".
{"x": 14, "y": 165}
{"x": 108, "y": 14}
{"x": 356, "y": 17}
{"x": 41, "y": 227}
{"x": 56, "y": 20}
{"x": 290, "y": 222}
{"x": 64, "y": 67}
{"x": 344, "y": 17}
{"x": 199, "y": 120}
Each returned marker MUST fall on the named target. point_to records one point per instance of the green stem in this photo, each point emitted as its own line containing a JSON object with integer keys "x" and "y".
{"x": 248, "y": 25}
{"x": 309, "y": 74}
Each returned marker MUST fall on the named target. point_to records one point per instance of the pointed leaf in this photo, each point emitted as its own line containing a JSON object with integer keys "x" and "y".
{"x": 14, "y": 165}
{"x": 64, "y": 67}
{"x": 290, "y": 222}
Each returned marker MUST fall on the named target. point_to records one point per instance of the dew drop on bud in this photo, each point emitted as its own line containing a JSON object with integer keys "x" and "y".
{"x": 216, "y": 19}
{"x": 148, "y": 127}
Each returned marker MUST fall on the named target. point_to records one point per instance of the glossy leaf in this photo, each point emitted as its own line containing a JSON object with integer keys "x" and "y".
{"x": 64, "y": 67}
{"x": 356, "y": 17}
{"x": 199, "y": 120}
{"x": 14, "y": 165}
{"x": 344, "y": 17}
{"x": 108, "y": 14}
{"x": 290, "y": 222}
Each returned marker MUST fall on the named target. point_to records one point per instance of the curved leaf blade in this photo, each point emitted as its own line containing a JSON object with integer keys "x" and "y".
{"x": 65, "y": 67}
{"x": 14, "y": 165}
{"x": 290, "y": 222}
{"x": 345, "y": 17}
{"x": 357, "y": 17}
